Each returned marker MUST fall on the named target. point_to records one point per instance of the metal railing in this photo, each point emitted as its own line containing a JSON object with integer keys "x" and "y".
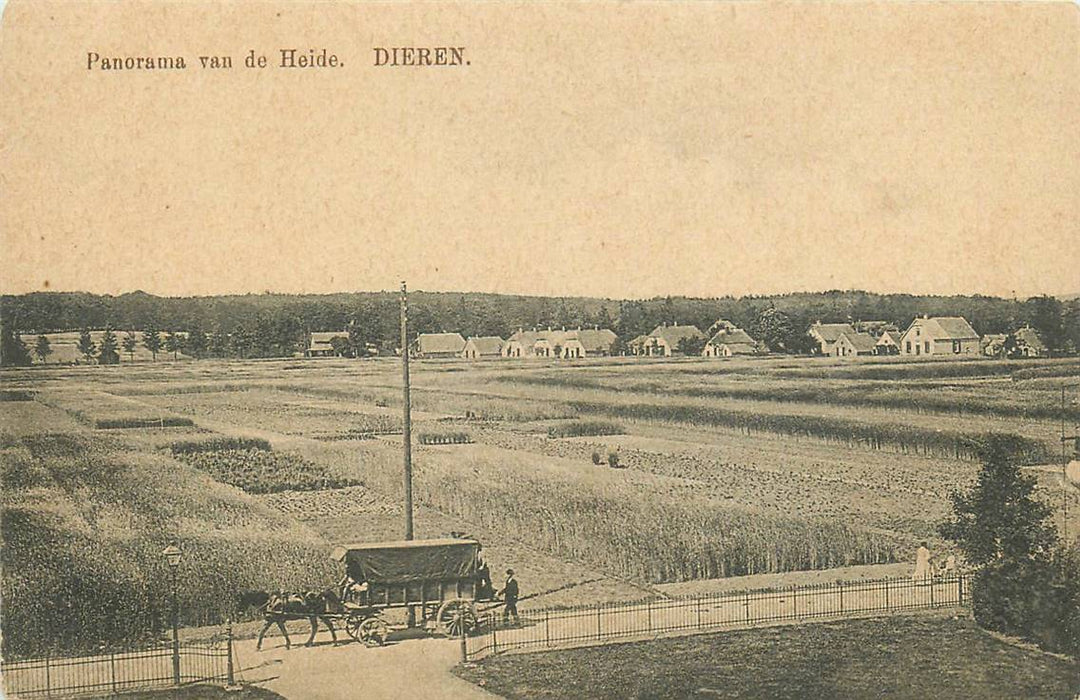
{"x": 117, "y": 672}
{"x": 585, "y": 625}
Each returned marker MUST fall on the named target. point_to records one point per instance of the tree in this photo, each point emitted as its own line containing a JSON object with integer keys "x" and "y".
{"x": 13, "y": 351}
{"x": 151, "y": 339}
{"x": 1002, "y": 528}
{"x": 174, "y": 343}
{"x": 43, "y": 349}
{"x": 219, "y": 342}
{"x": 107, "y": 352}
{"x": 130, "y": 343}
{"x": 197, "y": 342}
{"x": 691, "y": 345}
{"x": 86, "y": 344}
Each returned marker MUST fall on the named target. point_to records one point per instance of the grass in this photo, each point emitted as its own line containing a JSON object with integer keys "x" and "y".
{"x": 218, "y": 443}
{"x": 902, "y": 657}
{"x": 85, "y": 517}
{"x": 257, "y": 470}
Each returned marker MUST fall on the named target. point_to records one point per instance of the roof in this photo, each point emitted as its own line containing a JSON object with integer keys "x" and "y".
{"x": 672, "y": 335}
{"x": 409, "y": 560}
{"x": 639, "y": 340}
{"x": 946, "y": 328}
{"x": 956, "y": 327}
{"x": 888, "y": 337}
{"x": 324, "y": 337}
{"x": 737, "y": 336}
{"x": 487, "y": 344}
{"x": 1030, "y": 337}
{"x": 428, "y": 343}
{"x": 862, "y": 342}
{"x": 400, "y": 544}
{"x": 830, "y": 332}
{"x": 593, "y": 339}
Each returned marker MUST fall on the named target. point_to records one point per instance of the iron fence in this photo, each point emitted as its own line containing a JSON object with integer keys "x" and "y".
{"x": 584, "y": 625}
{"x": 117, "y": 672}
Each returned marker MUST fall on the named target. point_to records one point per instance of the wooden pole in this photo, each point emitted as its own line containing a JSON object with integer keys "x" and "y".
{"x": 407, "y": 418}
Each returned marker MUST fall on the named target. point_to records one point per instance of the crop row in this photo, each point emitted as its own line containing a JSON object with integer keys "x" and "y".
{"x": 896, "y": 396}
{"x": 219, "y": 443}
{"x": 895, "y": 436}
{"x": 579, "y": 428}
{"x": 259, "y": 471}
{"x": 446, "y": 438}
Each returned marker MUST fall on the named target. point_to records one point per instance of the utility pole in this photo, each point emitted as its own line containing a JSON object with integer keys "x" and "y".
{"x": 406, "y": 432}
{"x": 1064, "y": 475}
{"x": 407, "y": 418}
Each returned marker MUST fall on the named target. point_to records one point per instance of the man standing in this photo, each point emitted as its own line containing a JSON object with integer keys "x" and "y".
{"x": 510, "y": 597}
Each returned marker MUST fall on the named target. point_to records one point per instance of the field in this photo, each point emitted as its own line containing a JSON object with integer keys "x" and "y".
{"x": 913, "y": 657}
{"x": 728, "y": 468}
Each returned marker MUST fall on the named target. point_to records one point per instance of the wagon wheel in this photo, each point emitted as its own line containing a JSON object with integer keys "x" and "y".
{"x": 373, "y": 632}
{"x": 456, "y": 617}
{"x": 353, "y": 624}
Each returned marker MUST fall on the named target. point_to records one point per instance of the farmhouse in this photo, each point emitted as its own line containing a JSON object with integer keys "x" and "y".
{"x": 1027, "y": 343}
{"x": 888, "y": 343}
{"x": 993, "y": 345}
{"x": 436, "y": 345}
{"x": 943, "y": 336}
{"x": 483, "y": 346}
{"x": 854, "y": 344}
{"x": 322, "y": 344}
{"x": 664, "y": 341}
{"x": 638, "y": 345}
{"x": 590, "y": 342}
{"x": 826, "y": 335}
{"x": 729, "y": 340}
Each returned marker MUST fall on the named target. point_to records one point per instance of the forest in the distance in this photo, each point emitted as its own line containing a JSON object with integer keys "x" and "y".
{"x": 275, "y": 325}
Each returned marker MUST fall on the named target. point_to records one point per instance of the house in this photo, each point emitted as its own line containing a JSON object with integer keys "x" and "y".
{"x": 943, "y": 336}
{"x": 826, "y": 335}
{"x": 593, "y": 342}
{"x": 483, "y": 346}
{"x": 853, "y": 344}
{"x": 993, "y": 345}
{"x": 436, "y": 345}
{"x": 322, "y": 344}
{"x": 638, "y": 345}
{"x": 1027, "y": 343}
{"x": 888, "y": 343}
{"x": 729, "y": 340}
{"x": 665, "y": 340}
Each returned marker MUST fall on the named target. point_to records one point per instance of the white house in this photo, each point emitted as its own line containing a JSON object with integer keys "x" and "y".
{"x": 483, "y": 346}
{"x": 320, "y": 343}
{"x": 853, "y": 344}
{"x": 826, "y": 335}
{"x": 664, "y": 340}
{"x": 728, "y": 341}
{"x": 942, "y": 336}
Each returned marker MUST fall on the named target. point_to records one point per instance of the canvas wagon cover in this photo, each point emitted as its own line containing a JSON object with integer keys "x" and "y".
{"x": 410, "y": 560}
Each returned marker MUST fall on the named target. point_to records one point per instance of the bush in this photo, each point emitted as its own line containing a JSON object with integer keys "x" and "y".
{"x": 16, "y": 395}
{"x": 260, "y": 471}
{"x": 122, "y": 423}
{"x": 579, "y": 428}
{"x": 613, "y": 460}
{"x": 596, "y": 459}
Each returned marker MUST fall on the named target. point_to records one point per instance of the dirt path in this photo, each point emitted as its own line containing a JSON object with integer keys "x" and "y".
{"x": 407, "y": 668}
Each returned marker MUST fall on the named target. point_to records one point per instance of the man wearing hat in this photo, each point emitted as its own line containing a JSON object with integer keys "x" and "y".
{"x": 510, "y": 597}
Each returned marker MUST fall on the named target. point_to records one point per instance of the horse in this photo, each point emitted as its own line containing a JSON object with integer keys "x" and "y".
{"x": 278, "y": 608}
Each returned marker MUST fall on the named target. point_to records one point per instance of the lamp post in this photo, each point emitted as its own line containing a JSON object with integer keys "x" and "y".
{"x": 172, "y": 556}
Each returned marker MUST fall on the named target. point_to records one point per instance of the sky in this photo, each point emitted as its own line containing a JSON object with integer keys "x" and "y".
{"x": 593, "y": 149}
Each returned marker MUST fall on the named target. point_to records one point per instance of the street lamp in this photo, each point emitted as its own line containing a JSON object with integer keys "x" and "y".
{"x": 172, "y": 556}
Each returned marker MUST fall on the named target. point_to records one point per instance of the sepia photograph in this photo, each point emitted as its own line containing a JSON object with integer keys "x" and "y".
{"x": 540, "y": 350}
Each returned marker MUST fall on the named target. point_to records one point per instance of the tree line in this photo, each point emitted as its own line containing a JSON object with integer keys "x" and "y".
{"x": 277, "y": 325}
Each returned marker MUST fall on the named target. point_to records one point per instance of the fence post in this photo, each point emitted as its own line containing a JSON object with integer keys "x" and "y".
{"x": 598, "y": 622}
{"x": 112, "y": 669}
{"x": 887, "y": 607}
{"x": 648, "y": 614}
{"x": 960, "y": 589}
{"x": 230, "y": 678}
{"x": 697, "y": 605}
{"x": 48, "y": 677}
{"x": 547, "y": 628}
{"x": 931, "y": 592}
{"x": 840, "y": 587}
{"x": 746, "y": 604}
{"x": 494, "y": 635}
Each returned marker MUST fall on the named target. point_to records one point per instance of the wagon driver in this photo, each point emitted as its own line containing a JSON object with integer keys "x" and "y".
{"x": 510, "y": 597}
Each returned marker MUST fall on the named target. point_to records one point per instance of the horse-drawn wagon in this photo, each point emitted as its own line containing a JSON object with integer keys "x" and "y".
{"x": 438, "y": 581}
